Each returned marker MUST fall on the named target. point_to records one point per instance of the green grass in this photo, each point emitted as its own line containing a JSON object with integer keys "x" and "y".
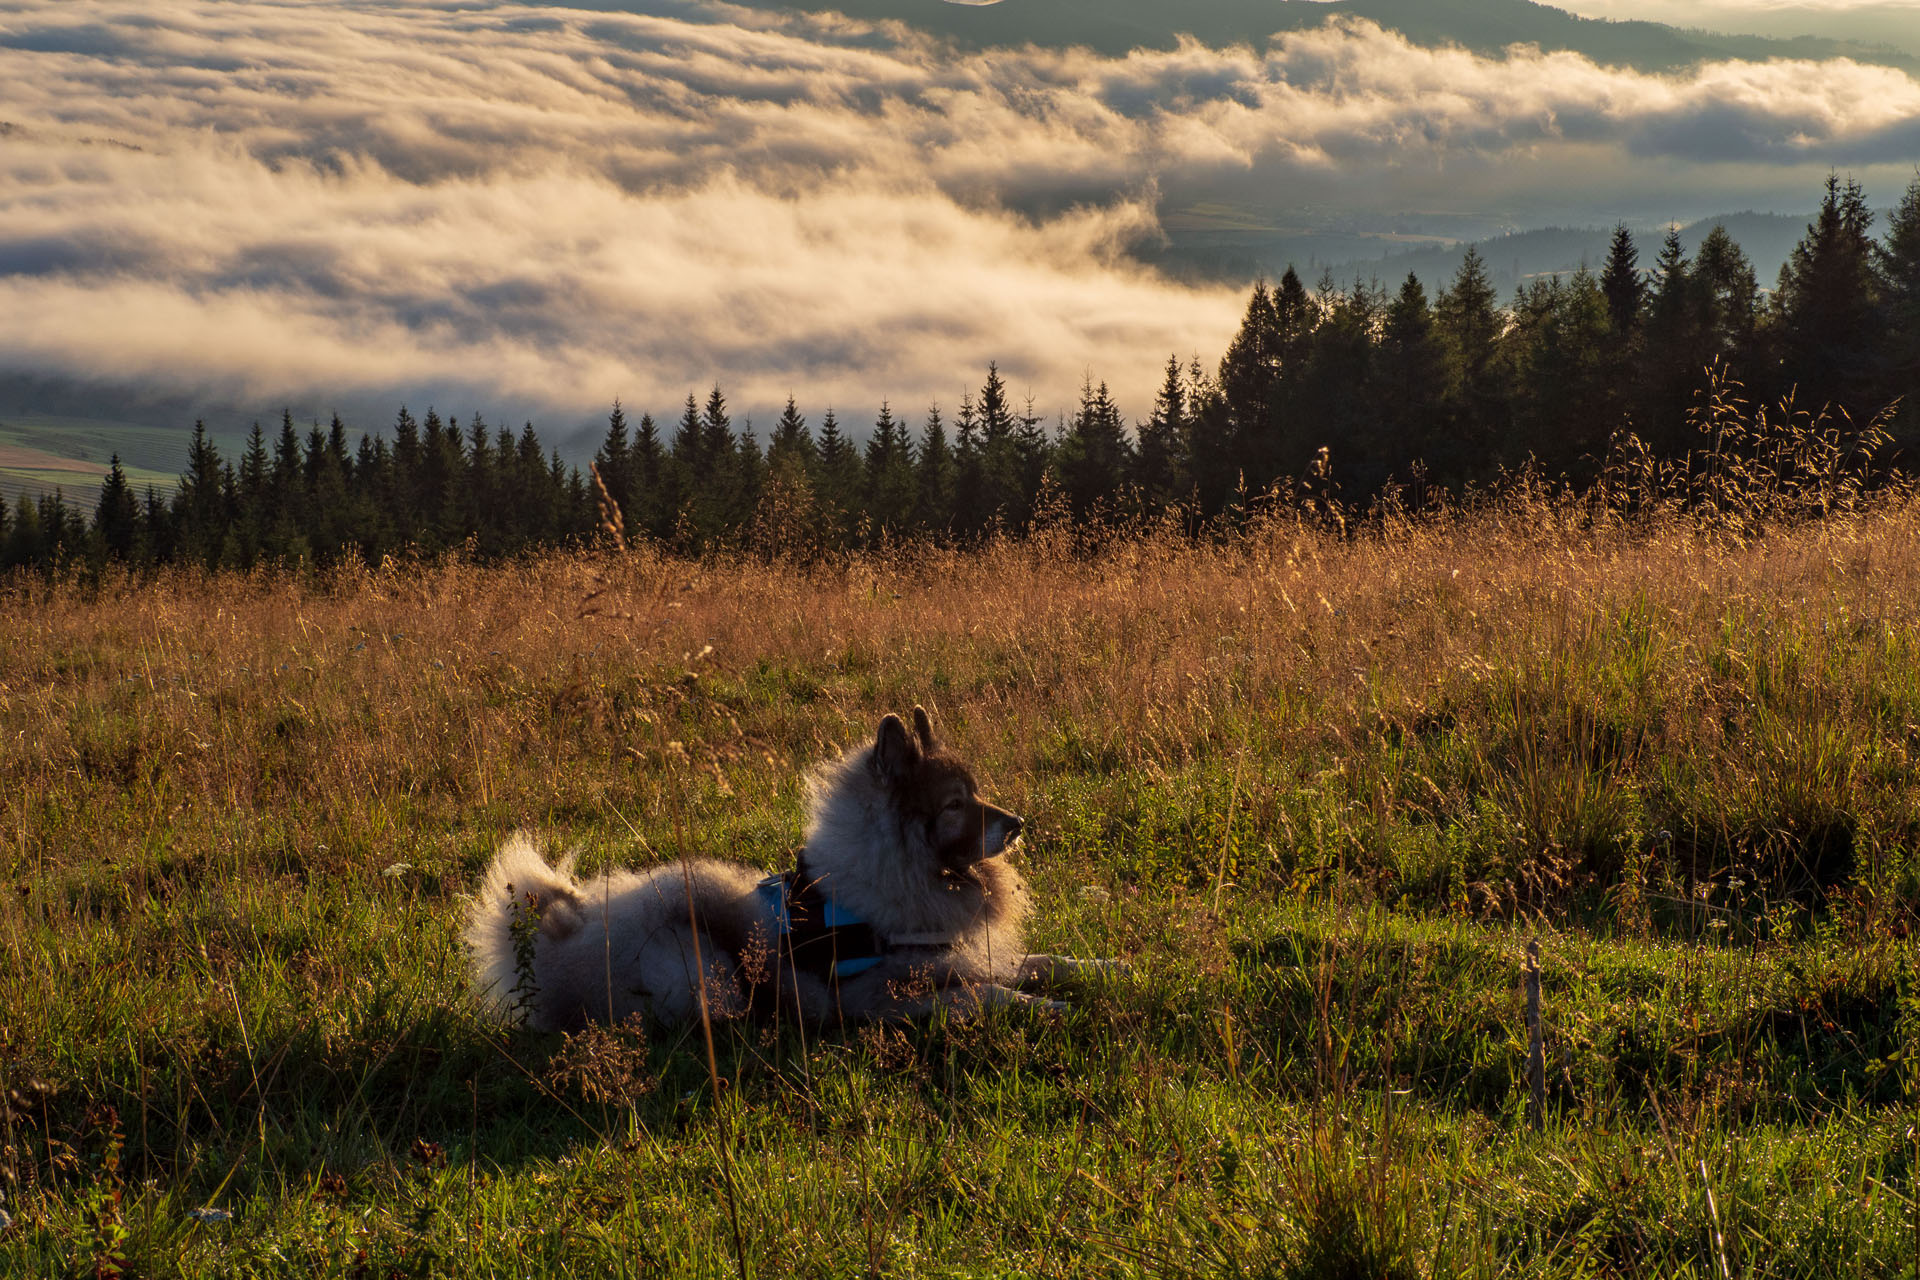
{"x": 236, "y": 818}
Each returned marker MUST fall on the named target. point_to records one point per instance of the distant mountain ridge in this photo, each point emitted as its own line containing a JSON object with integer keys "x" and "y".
{"x": 1485, "y": 26}
{"x": 1766, "y": 238}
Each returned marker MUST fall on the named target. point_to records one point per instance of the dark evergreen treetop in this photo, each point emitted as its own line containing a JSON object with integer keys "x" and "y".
{"x": 1829, "y": 299}
{"x": 1160, "y": 472}
{"x": 1620, "y": 282}
{"x": 1899, "y": 266}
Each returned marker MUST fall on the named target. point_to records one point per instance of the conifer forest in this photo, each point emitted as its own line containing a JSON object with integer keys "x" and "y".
{"x": 1356, "y": 393}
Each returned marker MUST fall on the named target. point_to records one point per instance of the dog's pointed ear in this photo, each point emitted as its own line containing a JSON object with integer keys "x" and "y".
{"x": 894, "y": 754}
{"x": 923, "y": 729}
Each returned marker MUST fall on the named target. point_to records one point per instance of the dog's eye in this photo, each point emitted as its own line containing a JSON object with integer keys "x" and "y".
{"x": 955, "y": 805}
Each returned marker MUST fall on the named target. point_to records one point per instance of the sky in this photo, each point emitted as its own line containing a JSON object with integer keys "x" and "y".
{"x": 535, "y": 210}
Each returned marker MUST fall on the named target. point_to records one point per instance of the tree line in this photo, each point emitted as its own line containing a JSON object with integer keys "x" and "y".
{"x": 1363, "y": 385}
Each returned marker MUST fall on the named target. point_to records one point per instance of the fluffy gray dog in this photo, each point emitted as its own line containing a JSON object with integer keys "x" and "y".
{"x": 899, "y": 901}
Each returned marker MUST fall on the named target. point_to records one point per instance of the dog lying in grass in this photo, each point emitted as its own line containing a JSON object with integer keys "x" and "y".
{"x": 900, "y": 901}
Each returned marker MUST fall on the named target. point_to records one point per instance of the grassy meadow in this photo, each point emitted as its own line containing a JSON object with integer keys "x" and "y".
{"x": 1319, "y": 791}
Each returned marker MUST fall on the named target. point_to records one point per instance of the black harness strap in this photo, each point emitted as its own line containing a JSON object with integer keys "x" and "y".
{"x": 820, "y": 940}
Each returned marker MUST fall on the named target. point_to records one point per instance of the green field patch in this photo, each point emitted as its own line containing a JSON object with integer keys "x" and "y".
{"x": 40, "y": 453}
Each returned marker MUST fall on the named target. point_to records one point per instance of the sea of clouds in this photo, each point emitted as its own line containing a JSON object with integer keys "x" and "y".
{"x": 528, "y": 204}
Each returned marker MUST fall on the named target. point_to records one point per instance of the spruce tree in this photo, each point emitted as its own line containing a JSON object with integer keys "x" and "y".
{"x": 49, "y": 523}
{"x": 372, "y": 481}
{"x": 1560, "y": 341}
{"x": 199, "y": 504}
{"x": 449, "y": 472}
{"x": 431, "y": 484}
{"x": 533, "y": 498}
{"x": 1899, "y": 270}
{"x": 790, "y": 450}
{"x": 286, "y": 464}
{"x": 686, "y": 436}
{"x": 561, "y": 521}
{"x": 330, "y": 488}
{"x": 999, "y": 454}
{"x": 337, "y": 447}
{"x": 1828, "y": 300}
{"x": 63, "y": 529}
{"x": 1622, "y": 287}
{"x": 614, "y": 462}
{"x": 283, "y": 531}
{"x": 116, "y": 517}
{"x": 688, "y": 471}
{"x": 1094, "y": 459}
{"x": 1673, "y": 362}
{"x": 1728, "y": 301}
{"x": 1625, "y": 293}
{"x": 838, "y": 486}
{"x": 970, "y": 512}
{"x": 23, "y": 536}
{"x": 1227, "y": 447}
{"x": 479, "y": 486}
{"x": 1469, "y": 324}
{"x": 1333, "y": 404}
{"x": 157, "y": 531}
{"x": 402, "y": 499}
{"x": 749, "y": 481}
{"x": 716, "y": 426}
{"x": 786, "y": 521}
{"x": 1160, "y": 464}
{"x": 1033, "y": 455}
{"x": 254, "y": 516}
{"x": 647, "y": 471}
{"x": 1411, "y": 374}
{"x": 719, "y": 485}
{"x": 1250, "y": 369}
{"x": 889, "y": 476}
{"x": 1287, "y": 439}
{"x": 934, "y": 477}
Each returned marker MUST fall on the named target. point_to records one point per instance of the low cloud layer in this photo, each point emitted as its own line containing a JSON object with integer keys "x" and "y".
{"x": 550, "y": 207}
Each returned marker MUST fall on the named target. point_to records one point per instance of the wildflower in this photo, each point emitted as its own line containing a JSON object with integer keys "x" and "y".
{"x": 210, "y": 1217}
{"x": 397, "y": 870}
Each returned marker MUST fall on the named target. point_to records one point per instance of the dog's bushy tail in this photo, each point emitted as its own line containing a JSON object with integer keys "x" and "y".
{"x": 521, "y": 901}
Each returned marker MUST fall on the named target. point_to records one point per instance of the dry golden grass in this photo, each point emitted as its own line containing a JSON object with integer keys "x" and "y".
{"x": 558, "y": 689}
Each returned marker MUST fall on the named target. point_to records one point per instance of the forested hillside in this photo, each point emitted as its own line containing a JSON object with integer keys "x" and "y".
{"x": 1485, "y": 26}
{"x": 1353, "y": 392}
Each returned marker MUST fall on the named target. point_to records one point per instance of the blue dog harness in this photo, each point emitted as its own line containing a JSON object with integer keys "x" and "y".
{"x": 817, "y": 935}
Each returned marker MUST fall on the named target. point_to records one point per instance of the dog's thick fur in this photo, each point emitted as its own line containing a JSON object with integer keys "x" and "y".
{"x": 896, "y": 834}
